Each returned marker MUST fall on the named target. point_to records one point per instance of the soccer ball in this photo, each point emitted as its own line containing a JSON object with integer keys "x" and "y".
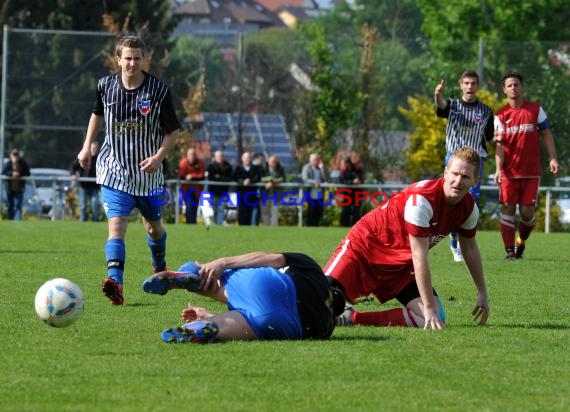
{"x": 59, "y": 302}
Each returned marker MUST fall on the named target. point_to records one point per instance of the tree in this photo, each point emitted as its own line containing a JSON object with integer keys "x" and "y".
{"x": 267, "y": 83}
{"x": 385, "y": 67}
{"x": 330, "y": 106}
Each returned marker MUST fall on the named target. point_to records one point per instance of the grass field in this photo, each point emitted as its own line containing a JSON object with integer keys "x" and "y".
{"x": 113, "y": 358}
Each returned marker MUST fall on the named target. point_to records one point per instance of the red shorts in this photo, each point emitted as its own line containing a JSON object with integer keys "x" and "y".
{"x": 522, "y": 191}
{"x": 350, "y": 266}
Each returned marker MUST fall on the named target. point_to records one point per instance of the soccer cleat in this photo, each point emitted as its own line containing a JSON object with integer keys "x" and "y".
{"x": 457, "y": 256}
{"x": 113, "y": 290}
{"x": 162, "y": 282}
{"x": 519, "y": 248}
{"x": 198, "y": 331}
{"x": 511, "y": 254}
{"x": 345, "y": 319}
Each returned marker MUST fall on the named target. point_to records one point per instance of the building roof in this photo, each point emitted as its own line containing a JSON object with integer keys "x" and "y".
{"x": 275, "y": 5}
{"x": 192, "y": 7}
{"x": 246, "y": 14}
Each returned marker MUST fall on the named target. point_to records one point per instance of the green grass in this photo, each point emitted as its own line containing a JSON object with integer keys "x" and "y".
{"x": 113, "y": 358}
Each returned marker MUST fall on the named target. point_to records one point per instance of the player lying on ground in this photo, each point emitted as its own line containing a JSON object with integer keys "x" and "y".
{"x": 386, "y": 253}
{"x": 268, "y": 295}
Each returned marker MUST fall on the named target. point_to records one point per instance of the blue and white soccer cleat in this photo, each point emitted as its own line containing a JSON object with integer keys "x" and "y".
{"x": 162, "y": 282}
{"x": 198, "y": 331}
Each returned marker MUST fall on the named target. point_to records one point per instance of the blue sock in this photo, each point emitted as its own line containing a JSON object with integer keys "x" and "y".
{"x": 440, "y": 309}
{"x": 453, "y": 241}
{"x": 116, "y": 253}
{"x": 157, "y": 251}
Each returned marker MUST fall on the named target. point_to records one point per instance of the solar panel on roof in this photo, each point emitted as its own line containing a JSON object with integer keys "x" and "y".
{"x": 265, "y": 133}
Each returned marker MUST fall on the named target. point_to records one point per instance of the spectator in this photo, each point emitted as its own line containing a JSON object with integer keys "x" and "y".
{"x": 349, "y": 176}
{"x": 274, "y": 175}
{"x": 15, "y": 169}
{"x": 518, "y": 126}
{"x": 88, "y": 190}
{"x": 313, "y": 174}
{"x": 219, "y": 171}
{"x": 260, "y": 165}
{"x": 258, "y": 159}
{"x": 247, "y": 175}
{"x": 190, "y": 169}
{"x": 469, "y": 124}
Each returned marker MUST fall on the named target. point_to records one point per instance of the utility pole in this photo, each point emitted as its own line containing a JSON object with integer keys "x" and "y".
{"x": 240, "y": 96}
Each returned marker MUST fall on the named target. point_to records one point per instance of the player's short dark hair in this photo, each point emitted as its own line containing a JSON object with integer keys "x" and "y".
{"x": 132, "y": 42}
{"x": 337, "y": 293}
{"x": 512, "y": 74}
{"x": 338, "y": 300}
{"x": 469, "y": 73}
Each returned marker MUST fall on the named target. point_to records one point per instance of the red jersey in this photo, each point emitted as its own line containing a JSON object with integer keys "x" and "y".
{"x": 520, "y": 126}
{"x": 419, "y": 210}
{"x": 197, "y": 170}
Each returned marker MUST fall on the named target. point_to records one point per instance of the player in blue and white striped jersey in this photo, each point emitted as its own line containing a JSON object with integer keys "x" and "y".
{"x": 469, "y": 124}
{"x": 141, "y": 127}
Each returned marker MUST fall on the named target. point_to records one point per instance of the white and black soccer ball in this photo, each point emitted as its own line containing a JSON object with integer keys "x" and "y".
{"x": 59, "y": 302}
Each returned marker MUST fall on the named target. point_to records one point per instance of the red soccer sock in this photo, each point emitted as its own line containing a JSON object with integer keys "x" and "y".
{"x": 525, "y": 228}
{"x": 508, "y": 230}
{"x": 391, "y": 317}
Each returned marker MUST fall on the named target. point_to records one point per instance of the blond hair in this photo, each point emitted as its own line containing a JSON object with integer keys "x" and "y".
{"x": 468, "y": 155}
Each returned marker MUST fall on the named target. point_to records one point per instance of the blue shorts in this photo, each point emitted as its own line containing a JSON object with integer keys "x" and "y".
{"x": 119, "y": 204}
{"x": 475, "y": 190}
{"x": 267, "y": 299}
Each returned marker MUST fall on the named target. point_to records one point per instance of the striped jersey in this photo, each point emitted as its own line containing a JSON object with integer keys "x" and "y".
{"x": 137, "y": 121}
{"x": 521, "y": 127}
{"x": 468, "y": 124}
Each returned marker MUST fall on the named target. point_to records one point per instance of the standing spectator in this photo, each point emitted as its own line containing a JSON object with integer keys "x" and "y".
{"x": 518, "y": 126}
{"x": 386, "y": 253}
{"x": 141, "y": 128}
{"x": 349, "y": 176}
{"x": 313, "y": 174}
{"x": 247, "y": 175}
{"x": 260, "y": 165}
{"x": 15, "y": 169}
{"x": 191, "y": 168}
{"x": 258, "y": 159}
{"x": 88, "y": 191}
{"x": 219, "y": 171}
{"x": 274, "y": 175}
{"x": 469, "y": 124}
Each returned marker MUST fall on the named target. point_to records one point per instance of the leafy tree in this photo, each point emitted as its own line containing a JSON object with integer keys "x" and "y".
{"x": 393, "y": 70}
{"x": 267, "y": 82}
{"x": 330, "y": 106}
{"x": 394, "y": 20}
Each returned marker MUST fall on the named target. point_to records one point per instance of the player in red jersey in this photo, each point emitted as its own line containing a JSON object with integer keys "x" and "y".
{"x": 519, "y": 125}
{"x": 386, "y": 253}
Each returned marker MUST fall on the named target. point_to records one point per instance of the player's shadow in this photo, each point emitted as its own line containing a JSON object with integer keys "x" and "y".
{"x": 139, "y": 304}
{"x": 541, "y": 326}
{"x": 360, "y": 338}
